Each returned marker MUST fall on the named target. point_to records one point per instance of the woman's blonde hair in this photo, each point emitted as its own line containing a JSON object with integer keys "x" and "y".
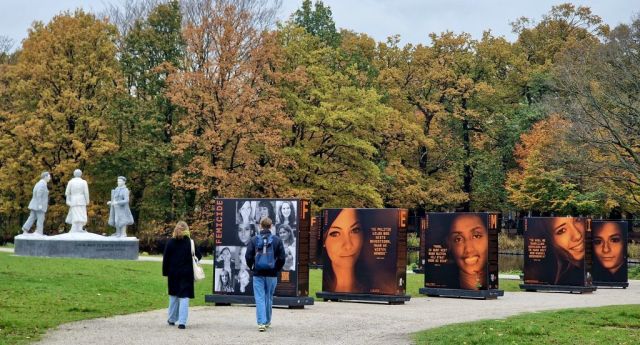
{"x": 181, "y": 230}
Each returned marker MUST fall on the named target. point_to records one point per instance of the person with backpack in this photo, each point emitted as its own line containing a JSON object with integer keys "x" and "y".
{"x": 265, "y": 257}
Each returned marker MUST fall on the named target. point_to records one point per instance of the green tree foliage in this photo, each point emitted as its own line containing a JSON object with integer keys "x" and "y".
{"x": 336, "y": 123}
{"x": 143, "y": 124}
{"x": 317, "y": 21}
{"x": 59, "y": 96}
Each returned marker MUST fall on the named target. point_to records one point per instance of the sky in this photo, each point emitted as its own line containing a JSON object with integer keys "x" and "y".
{"x": 413, "y": 20}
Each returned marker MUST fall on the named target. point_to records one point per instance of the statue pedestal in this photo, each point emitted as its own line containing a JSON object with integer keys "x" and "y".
{"x": 77, "y": 245}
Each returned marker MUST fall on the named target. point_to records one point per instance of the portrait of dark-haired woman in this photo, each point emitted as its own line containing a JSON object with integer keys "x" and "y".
{"x": 263, "y": 210}
{"x": 609, "y": 249}
{"x": 468, "y": 246}
{"x": 244, "y": 212}
{"x": 286, "y": 213}
{"x": 343, "y": 242}
{"x": 285, "y": 232}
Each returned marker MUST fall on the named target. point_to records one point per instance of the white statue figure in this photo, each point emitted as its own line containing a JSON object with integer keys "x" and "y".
{"x": 38, "y": 205}
{"x": 77, "y": 199}
{"x": 119, "y": 213}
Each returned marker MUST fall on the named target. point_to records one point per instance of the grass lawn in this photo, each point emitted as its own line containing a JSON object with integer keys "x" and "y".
{"x": 37, "y": 294}
{"x": 634, "y": 273}
{"x": 41, "y": 293}
{"x": 603, "y": 325}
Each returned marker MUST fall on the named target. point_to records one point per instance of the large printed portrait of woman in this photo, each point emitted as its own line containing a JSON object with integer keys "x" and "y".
{"x": 237, "y": 222}
{"x": 457, "y": 251}
{"x": 555, "y": 250}
{"x": 359, "y": 251}
{"x": 609, "y": 251}
{"x": 231, "y": 274}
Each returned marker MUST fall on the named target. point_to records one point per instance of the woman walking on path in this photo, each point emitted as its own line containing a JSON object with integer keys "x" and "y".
{"x": 265, "y": 256}
{"x": 177, "y": 265}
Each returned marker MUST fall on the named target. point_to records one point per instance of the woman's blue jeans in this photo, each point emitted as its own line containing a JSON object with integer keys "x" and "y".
{"x": 178, "y": 309}
{"x": 263, "y": 290}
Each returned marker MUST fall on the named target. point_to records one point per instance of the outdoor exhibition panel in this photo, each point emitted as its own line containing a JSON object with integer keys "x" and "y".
{"x": 461, "y": 255}
{"x": 557, "y": 254}
{"x": 364, "y": 254}
{"x": 610, "y": 252}
{"x": 315, "y": 243}
{"x": 236, "y": 222}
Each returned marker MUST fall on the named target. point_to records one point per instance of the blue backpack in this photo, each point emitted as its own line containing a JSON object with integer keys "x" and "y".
{"x": 265, "y": 258}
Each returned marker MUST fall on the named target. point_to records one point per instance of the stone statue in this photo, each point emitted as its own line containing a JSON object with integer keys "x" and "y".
{"x": 77, "y": 194}
{"x": 38, "y": 205}
{"x": 119, "y": 213}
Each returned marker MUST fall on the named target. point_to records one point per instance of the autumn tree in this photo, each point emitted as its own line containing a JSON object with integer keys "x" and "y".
{"x": 555, "y": 174}
{"x": 598, "y": 91}
{"x": 540, "y": 42}
{"x": 60, "y": 94}
{"x": 462, "y": 90}
{"x": 229, "y": 141}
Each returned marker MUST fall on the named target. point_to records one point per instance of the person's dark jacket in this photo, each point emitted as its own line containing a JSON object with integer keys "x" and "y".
{"x": 178, "y": 266}
{"x": 278, "y": 252}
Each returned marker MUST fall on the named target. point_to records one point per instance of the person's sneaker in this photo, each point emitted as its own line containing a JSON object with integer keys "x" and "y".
{"x": 181, "y": 327}
{"x": 171, "y": 323}
{"x": 262, "y": 328}
{"x": 267, "y": 325}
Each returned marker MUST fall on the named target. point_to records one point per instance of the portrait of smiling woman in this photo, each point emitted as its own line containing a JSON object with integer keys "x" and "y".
{"x": 567, "y": 238}
{"x": 468, "y": 245}
{"x": 286, "y": 213}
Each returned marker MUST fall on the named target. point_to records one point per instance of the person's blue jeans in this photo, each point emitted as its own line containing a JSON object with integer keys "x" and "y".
{"x": 178, "y": 309}
{"x": 263, "y": 290}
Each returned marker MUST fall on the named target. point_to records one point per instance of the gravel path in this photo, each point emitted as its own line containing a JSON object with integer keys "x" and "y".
{"x": 325, "y": 322}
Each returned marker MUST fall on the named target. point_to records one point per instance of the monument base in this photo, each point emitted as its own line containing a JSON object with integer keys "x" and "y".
{"x": 623, "y": 285}
{"x": 84, "y": 245}
{"x": 343, "y": 296}
{"x": 290, "y": 302}
{"x": 558, "y": 288}
{"x": 462, "y": 293}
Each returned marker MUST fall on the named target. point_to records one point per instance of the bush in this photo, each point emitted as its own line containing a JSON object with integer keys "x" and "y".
{"x": 413, "y": 240}
{"x": 510, "y": 243}
{"x": 633, "y": 250}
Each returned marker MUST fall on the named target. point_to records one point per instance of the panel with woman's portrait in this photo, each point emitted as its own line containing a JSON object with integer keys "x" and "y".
{"x": 609, "y": 251}
{"x": 237, "y": 222}
{"x": 460, "y": 250}
{"x": 364, "y": 251}
{"x": 231, "y": 274}
{"x": 557, "y": 251}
